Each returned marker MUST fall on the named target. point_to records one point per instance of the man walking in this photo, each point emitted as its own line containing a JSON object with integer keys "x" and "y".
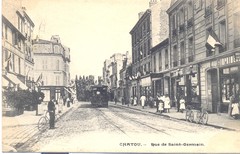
{"x": 51, "y": 110}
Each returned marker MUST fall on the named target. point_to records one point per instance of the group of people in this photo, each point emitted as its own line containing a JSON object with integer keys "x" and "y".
{"x": 163, "y": 102}
{"x": 57, "y": 106}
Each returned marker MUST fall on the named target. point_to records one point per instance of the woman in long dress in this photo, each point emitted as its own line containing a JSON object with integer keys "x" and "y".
{"x": 182, "y": 104}
{"x": 167, "y": 105}
{"x": 235, "y": 109}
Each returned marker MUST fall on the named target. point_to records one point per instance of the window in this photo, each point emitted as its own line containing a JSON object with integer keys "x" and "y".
{"x": 149, "y": 46}
{"x": 236, "y": 21}
{"x": 160, "y": 61}
{"x": 222, "y": 36}
{"x": 220, "y": 3}
{"x": 209, "y": 8}
{"x": 57, "y": 80}
{"x": 6, "y": 36}
{"x": 57, "y": 65}
{"x": 175, "y": 56}
{"x": 154, "y": 63}
{"x": 182, "y": 52}
{"x": 166, "y": 59}
{"x": 198, "y": 5}
{"x": 181, "y": 16}
{"x": 190, "y": 9}
{"x": 190, "y": 50}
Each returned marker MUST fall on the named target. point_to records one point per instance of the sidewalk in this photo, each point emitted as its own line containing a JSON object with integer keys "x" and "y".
{"x": 19, "y": 129}
{"x": 29, "y": 117}
{"x": 221, "y": 120}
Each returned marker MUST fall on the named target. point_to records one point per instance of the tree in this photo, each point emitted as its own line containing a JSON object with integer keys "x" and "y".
{"x": 21, "y": 98}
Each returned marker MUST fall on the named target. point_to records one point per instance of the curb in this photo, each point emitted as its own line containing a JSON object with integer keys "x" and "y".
{"x": 169, "y": 117}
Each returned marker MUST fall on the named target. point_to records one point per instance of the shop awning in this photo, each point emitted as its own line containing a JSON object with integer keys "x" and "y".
{"x": 156, "y": 76}
{"x": 13, "y": 78}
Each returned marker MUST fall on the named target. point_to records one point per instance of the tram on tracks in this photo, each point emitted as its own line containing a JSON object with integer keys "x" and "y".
{"x": 99, "y": 96}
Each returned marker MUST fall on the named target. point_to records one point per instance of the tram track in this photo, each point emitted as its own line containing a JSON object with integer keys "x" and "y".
{"x": 147, "y": 125}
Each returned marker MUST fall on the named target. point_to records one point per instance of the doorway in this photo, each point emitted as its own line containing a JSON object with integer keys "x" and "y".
{"x": 213, "y": 94}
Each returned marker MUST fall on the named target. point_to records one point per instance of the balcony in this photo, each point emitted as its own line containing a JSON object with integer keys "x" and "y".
{"x": 15, "y": 49}
{"x": 29, "y": 58}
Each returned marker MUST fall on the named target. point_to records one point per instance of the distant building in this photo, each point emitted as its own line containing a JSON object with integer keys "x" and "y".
{"x": 52, "y": 60}
{"x": 111, "y": 74}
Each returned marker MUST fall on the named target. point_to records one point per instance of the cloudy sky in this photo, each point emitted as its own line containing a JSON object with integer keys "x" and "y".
{"x": 93, "y": 29}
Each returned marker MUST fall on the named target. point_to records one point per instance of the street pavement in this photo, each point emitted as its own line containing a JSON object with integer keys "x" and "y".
{"x": 120, "y": 129}
{"x": 19, "y": 129}
{"x": 220, "y": 120}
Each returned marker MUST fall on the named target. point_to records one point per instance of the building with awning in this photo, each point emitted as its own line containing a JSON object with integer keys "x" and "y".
{"x": 11, "y": 79}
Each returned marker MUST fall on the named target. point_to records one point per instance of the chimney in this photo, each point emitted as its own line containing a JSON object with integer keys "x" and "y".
{"x": 152, "y": 2}
{"x": 140, "y": 14}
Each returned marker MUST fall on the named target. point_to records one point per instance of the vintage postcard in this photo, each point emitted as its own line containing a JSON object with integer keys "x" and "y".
{"x": 139, "y": 76}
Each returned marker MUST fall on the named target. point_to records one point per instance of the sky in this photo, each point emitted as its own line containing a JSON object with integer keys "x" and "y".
{"x": 93, "y": 29}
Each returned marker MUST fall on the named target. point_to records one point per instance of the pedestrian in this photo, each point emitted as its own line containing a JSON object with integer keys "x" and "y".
{"x": 51, "y": 111}
{"x": 151, "y": 100}
{"x": 157, "y": 100}
{"x": 161, "y": 104}
{"x": 68, "y": 101}
{"x": 232, "y": 97}
{"x": 135, "y": 101}
{"x": 235, "y": 108}
{"x": 115, "y": 99}
{"x": 143, "y": 99}
{"x": 60, "y": 104}
{"x": 131, "y": 100}
{"x": 123, "y": 101}
{"x": 167, "y": 104}
{"x": 182, "y": 104}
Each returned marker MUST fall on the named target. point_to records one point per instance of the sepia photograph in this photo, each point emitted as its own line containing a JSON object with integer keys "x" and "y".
{"x": 120, "y": 76}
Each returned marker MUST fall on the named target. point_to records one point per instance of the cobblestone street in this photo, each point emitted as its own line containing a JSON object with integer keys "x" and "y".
{"x": 117, "y": 129}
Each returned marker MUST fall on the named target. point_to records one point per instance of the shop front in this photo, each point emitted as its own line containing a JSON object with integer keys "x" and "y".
{"x": 229, "y": 76}
{"x": 157, "y": 84}
{"x": 145, "y": 85}
{"x": 185, "y": 83}
{"x": 222, "y": 81}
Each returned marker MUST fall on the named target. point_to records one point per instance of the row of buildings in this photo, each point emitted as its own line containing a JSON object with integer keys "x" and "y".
{"x": 187, "y": 48}
{"x": 28, "y": 62}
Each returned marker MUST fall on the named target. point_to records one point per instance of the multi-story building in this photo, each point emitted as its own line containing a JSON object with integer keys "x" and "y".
{"x": 150, "y": 30}
{"x": 160, "y": 68}
{"x": 106, "y": 72}
{"x": 52, "y": 66}
{"x": 111, "y": 73}
{"x": 17, "y": 55}
{"x": 124, "y": 82}
{"x": 205, "y": 75}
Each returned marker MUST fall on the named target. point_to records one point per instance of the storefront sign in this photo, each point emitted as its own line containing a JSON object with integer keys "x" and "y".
{"x": 228, "y": 60}
{"x": 146, "y": 81}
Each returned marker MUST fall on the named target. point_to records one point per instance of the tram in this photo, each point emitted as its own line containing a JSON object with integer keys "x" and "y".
{"x": 99, "y": 96}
